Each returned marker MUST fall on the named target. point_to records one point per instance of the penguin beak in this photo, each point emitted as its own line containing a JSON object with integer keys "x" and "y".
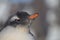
{"x": 34, "y": 16}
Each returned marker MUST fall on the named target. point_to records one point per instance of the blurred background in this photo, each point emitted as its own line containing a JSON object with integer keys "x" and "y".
{"x": 39, "y": 26}
{"x": 46, "y": 26}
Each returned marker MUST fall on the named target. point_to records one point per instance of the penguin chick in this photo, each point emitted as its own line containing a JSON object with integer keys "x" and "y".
{"x": 17, "y": 28}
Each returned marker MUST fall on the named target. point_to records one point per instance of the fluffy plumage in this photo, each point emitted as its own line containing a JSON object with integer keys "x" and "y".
{"x": 17, "y": 29}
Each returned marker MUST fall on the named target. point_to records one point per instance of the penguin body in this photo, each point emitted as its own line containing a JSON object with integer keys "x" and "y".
{"x": 19, "y": 33}
{"x": 17, "y": 29}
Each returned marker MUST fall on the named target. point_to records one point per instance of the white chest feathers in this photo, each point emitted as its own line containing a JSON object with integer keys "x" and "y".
{"x": 11, "y": 33}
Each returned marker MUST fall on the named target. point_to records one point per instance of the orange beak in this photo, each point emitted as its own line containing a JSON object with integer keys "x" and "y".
{"x": 34, "y": 16}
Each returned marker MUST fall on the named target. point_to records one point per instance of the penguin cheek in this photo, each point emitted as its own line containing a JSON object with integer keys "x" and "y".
{"x": 26, "y": 22}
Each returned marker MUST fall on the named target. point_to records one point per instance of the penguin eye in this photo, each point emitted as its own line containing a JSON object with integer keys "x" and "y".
{"x": 14, "y": 18}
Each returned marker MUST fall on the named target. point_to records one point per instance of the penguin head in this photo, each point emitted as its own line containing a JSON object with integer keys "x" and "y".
{"x": 20, "y": 18}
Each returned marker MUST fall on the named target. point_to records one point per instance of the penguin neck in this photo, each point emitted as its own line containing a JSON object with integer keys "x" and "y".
{"x": 22, "y": 29}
